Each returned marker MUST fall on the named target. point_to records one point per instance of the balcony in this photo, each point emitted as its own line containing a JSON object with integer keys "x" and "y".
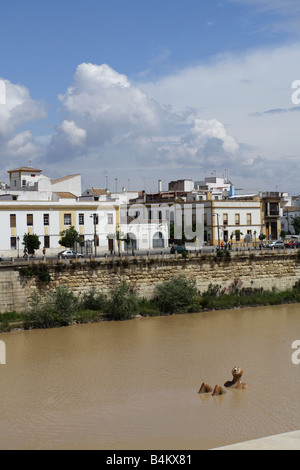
{"x": 274, "y": 213}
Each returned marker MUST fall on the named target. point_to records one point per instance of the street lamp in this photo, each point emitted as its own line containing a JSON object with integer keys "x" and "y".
{"x": 95, "y": 220}
{"x": 18, "y": 241}
{"x": 217, "y": 215}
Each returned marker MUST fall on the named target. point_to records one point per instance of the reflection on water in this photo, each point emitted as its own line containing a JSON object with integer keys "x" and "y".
{"x": 134, "y": 384}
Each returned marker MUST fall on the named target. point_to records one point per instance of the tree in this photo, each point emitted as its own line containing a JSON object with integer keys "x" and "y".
{"x": 296, "y": 224}
{"x": 238, "y": 235}
{"x": 127, "y": 241}
{"x": 119, "y": 238}
{"x": 282, "y": 234}
{"x": 176, "y": 295}
{"x": 31, "y": 243}
{"x": 122, "y": 302}
{"x": 69, "y": 237}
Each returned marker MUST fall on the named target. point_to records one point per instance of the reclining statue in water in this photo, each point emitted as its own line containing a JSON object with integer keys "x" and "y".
{"x": 236, "y": 383}
{"x": 218, "y": 390}
{"x": 237, "y": 373}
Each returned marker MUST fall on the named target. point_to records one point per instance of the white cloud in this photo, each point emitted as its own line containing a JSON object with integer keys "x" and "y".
{"x": 250, "y": 95}
{"x": 73, "y": 133}
{"x": 18, "y": 110}
{"x": 124, "y": 130}
{"x": 233, "y": 113}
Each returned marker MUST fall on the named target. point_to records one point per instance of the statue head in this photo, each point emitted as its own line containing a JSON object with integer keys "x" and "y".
{"x": 237, "y": 372}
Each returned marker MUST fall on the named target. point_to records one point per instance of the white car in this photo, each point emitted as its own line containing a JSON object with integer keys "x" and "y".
{"x": 278, "y": 244}
{"x": 67, "y": 254}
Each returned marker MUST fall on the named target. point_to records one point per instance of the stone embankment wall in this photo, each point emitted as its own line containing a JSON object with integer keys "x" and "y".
{"x": 261, "y": 270}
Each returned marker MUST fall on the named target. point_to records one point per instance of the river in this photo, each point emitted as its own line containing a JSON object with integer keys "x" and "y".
{"x": 134, "y": 384}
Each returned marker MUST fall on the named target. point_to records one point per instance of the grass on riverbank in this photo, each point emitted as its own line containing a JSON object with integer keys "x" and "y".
{"x": 178, "y": 295}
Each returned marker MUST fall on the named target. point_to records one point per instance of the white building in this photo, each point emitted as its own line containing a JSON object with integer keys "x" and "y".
{"x": 34, "y": 204}
{"x": 289, "y": 212}
{"x": 70, "y": 184}
{"x": 238, "y": 221}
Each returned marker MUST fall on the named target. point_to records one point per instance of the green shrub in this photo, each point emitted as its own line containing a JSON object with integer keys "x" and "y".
{"x": 122, "y": 303}
{"x": 176, "y": 296}
{"x": 297, "y": 286}
{"x": 147, "y": 307}
{"x": 54, "y": 309}
{"x": 224, "y": 254}
{"x": 93, "y": 300}
{"x": 41, "y": 271}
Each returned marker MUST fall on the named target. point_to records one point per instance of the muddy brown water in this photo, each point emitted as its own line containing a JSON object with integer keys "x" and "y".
{"x": 134, "y": 384}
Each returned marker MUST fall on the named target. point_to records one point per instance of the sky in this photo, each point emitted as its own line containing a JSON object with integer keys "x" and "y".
{"x": 126, "y": 92}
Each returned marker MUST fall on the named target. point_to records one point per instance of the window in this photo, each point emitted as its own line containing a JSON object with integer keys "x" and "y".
{"x": 225, "y": 219}
{"x": 13, "y": 220}
{"x": 274, "y": 209}
{"x": 23, "y": 183}
{"x": 29, "y": 220}
{"x": 13, "y": 243}
{"x": 46, "y": 219}
{"x": 46, "y": 241}
{"x": 249, "y": 219}
{"x": 110, "y": 219}
{"x": 237, "y": 219}
{"x": 67, "y": 219}
{"x": 81, "y": 219}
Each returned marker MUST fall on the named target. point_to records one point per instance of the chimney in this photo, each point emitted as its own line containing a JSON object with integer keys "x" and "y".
{"x": 159, "y": 186}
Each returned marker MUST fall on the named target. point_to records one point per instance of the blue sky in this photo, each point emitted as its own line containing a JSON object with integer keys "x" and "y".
{"x": 149, "y": 89}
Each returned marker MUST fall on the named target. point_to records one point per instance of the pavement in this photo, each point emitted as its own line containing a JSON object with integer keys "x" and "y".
{"x": 286, "y": 441}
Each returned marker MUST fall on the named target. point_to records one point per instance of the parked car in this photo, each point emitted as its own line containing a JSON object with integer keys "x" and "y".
{"x": 67, "y": 254}
{"x": 178, "y": 249}
{"x": 292, "y": 244}
{"x": 278, "y": 244}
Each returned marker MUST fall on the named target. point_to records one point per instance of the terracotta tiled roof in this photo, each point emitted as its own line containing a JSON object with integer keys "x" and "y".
{"x": 98, "y": 191}
{"x": 64, "y": 178}
{"x": 65, "y": 195}
{"x": 25, "y": 168}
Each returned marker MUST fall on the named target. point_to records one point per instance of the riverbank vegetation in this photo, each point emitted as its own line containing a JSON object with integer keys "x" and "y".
{"x": 178, "y": 295}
